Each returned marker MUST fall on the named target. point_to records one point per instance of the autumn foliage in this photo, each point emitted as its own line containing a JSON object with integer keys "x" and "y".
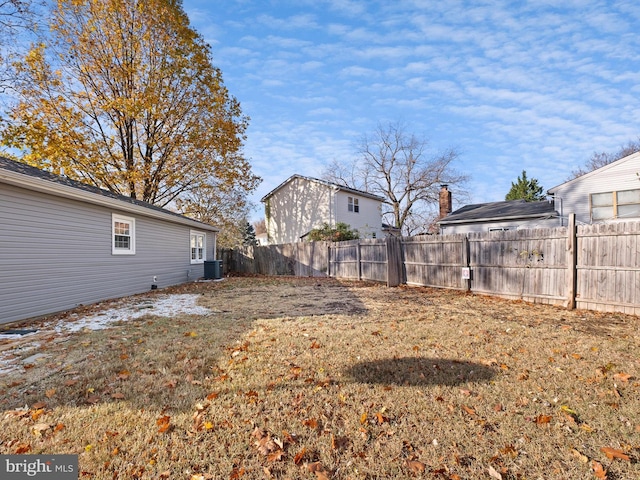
{"x": 122, "y": 94}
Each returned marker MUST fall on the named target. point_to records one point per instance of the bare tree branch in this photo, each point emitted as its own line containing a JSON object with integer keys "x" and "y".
{"x": 398, "y": 166}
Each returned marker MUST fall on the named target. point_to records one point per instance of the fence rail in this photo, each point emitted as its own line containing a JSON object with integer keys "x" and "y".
{"x": 595, "y": 267}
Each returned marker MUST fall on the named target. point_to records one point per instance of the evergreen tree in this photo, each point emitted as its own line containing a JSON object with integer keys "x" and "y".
{"x": 528, "y": 190}
{"x": 249, "y": 236}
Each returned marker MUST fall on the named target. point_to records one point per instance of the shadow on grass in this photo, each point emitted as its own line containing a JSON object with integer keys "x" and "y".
{"x": 419, "y": 371}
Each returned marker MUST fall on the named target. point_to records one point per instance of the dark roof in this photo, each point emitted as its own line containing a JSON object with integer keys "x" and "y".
{"x": 328, "y": 184}
{"x": 512, "y": 209}
{"x": 24, "y": 169}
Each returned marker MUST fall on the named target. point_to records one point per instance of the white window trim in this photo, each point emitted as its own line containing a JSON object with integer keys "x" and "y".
{"x": 353, "y": 205}
{"x": 196, "y": 233}
{"x": 132, "y": 234}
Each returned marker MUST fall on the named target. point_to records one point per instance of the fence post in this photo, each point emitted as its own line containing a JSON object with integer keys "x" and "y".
{"x": 394, "y": 261}
{"x": 329, "y": 260}
{"x": 572, "y": 260}
{"x": 465, "y": 262}
{"x": 359, "y": 260}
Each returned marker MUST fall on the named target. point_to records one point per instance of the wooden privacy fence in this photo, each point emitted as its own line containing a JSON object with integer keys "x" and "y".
{"x": 594, "y": 267}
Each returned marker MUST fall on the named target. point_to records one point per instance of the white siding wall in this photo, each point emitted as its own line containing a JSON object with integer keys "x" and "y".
{"x": 55, "y": 254}
{"x": 368, "y": 221}
{"x": 573, "y": 196}
{"x": 296, "y": 208}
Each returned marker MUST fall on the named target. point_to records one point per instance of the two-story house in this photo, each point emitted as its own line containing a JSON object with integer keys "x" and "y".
{"x": 300, "y": 204}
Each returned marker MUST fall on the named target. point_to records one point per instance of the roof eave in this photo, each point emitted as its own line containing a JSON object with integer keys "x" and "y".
{"x": 65, "y": 191}
{"x": 495, "y": 219}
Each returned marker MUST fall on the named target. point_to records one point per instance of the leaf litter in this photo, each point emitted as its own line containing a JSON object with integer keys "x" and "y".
{"x": 315, "y": 378}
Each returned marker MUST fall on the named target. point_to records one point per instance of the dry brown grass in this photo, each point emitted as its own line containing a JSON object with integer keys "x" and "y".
{"x": 309, "y": 378}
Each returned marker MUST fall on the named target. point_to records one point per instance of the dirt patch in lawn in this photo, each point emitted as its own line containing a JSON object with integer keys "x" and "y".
{"x": 316, "y": 378}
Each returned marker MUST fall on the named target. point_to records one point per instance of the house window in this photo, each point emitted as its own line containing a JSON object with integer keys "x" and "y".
{"x": 353, "y": 205}
{"x": 197, "y": 247}
{"x": 123, "y": 238}
{"x": 610, "y": 205}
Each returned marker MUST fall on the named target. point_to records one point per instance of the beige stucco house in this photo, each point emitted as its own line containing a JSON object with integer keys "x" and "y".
{"x": 300, "y": 204}
{"x": 607, "y": 194}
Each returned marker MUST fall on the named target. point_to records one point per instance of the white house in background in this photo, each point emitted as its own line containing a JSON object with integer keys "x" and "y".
{"x": 300, "y": 204}
{"x": 608, "y": 194}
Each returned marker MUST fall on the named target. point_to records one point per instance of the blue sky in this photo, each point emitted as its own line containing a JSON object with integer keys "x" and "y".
{"x": 536, "y": 86}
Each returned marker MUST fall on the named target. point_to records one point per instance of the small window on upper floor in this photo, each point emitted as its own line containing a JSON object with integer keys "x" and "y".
{"x": 353, "y": 205}
{"x": 198, "y": 247}
{"x": 123, "y": 235}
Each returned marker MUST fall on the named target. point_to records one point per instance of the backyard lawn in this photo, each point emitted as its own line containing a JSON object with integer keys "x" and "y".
{"x": 323, "y": 379}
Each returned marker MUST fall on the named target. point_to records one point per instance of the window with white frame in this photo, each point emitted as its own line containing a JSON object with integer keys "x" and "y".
{"x": 610, "y": 205}
{"x": 198, "y": 247}
{"x": 352, "y": 205}
{"x": 123, "y": 235}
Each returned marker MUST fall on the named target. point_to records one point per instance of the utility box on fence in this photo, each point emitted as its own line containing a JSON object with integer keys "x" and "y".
{"x": 213, "y": 269}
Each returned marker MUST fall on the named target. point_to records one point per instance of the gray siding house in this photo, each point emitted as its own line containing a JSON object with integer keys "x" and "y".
{"x": 64, "y": 244}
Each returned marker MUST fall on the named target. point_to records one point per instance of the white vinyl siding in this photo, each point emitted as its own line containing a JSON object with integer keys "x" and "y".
{"x": 123, "y": 235}
{"x": 198, "y": 247}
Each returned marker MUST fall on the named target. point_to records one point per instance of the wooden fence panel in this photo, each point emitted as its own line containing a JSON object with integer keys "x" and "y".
{"x": 608, "y": 267}
{"x": 520, "y": 264}
{"x": 434, "y": 260}
{"x": 373, "y": 260}
{"x": 600, "y": 263}
{"x": 344, "y": 260}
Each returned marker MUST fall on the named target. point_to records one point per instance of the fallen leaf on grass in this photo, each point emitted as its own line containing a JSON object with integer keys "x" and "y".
{"x": 469, "y": 410}
{"x": 23, "y": 448}
{"x": 322, "y": 475}
{"x": 612, "y": 453}
{"x": 275, "y": 456}
{"x": 236, "y": 473}
{"x": 117, "y": 396}
{"x": 37, "y": 413}
{"x": 299, "y": 456}
{"x": 50, "y": 393}
{"x": 583, "y": 458}
{"x": 598, "y": 471}
{"x": 312, "y": 423}
{"x": 542, "y": 419}
{"x": 163, "y": 423}
{"x": 494, "y": 474}
{"x": 415, "y": 466}
{"x": 381, "y": 418}
{"x": 623, "y": 377}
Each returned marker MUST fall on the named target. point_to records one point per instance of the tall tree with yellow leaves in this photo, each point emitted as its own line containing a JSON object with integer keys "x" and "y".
{"x": 123, "y": 94}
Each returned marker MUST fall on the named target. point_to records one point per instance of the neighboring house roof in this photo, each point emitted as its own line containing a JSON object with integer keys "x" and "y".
{"x": 26, "y": 176}
{"x": 598, "y": 171}
{"x": 326, "y": 183}
{"x": 494, "y": 211}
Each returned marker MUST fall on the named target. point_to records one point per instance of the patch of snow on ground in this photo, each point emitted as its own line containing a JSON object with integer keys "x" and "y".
{"x": 161, "y": 305}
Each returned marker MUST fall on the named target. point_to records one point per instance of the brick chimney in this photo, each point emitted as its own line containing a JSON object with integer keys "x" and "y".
{"x": 445, "y": 201}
